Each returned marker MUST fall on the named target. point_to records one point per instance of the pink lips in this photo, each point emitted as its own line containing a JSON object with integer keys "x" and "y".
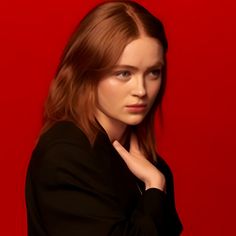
{"x": 136, "y": 108}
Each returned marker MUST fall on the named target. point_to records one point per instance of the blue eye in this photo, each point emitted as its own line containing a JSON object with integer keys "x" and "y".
{"x": 122, "y": 74}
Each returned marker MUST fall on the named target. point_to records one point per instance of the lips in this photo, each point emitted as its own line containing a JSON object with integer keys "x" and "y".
{"x": 137, "y": 105}
{"x": 136, "y": 108}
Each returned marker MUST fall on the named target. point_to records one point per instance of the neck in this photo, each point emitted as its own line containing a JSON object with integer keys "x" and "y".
{"x": 115, "y": 129}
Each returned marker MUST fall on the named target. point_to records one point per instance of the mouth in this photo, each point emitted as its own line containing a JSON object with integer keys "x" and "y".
{"x": 136, "y": 108}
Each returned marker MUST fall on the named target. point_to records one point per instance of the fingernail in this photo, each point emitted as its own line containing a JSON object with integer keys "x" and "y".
{"x": 115, "y": 143}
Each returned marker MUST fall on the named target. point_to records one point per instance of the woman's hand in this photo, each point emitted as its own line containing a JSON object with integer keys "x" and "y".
{"x": 140, "y": 166}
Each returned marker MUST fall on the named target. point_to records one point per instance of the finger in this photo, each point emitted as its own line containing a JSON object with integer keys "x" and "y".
{"x": 127, "y": 157}
{"x": 122, "y": 151}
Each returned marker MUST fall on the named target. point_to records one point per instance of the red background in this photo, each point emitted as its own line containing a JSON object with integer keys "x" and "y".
{"x": 198, "y": 137}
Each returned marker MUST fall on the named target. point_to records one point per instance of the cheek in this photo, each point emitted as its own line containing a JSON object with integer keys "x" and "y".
{"x": 107, "y": 93}
{"x": 105, "y": 88}
{"x": 153, "y": 89}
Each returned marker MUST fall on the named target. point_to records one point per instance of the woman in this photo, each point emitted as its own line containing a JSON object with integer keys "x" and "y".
{"x": 95, "y": 170}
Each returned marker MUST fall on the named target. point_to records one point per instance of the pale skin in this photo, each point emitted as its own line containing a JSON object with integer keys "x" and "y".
{"x": 124, "y": 98}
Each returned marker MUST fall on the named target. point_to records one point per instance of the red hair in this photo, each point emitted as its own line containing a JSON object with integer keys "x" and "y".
{"x": 93, "y": 49}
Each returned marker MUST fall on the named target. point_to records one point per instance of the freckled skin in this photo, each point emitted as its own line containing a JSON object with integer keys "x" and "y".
{"x": 136, "y": 79}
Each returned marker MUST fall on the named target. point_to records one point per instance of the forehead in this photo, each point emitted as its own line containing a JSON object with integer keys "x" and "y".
{"x": 144, "y": 51}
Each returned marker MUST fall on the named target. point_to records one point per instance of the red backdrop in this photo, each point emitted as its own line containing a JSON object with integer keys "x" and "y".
{"x": 198, "y": 137}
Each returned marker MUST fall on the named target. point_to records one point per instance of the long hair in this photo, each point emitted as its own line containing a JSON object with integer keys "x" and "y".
{"x": 93, "y": 49}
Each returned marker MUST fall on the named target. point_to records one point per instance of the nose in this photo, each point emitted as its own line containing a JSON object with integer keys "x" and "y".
{"x": 139, "y": 88}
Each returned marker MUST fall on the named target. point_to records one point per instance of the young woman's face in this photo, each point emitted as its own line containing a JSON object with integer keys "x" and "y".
{"x": 126, "y": 94}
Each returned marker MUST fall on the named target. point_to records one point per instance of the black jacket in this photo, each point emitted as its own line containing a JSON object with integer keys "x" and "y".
{"x": 73, "y": 189}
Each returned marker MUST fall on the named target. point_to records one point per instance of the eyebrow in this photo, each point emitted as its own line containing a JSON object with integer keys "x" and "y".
{"x": 158, "y": 64}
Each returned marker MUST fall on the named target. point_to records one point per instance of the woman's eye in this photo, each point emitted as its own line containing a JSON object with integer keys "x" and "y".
{"x": 155, "y": 73}
{"x": 122, "y": 74}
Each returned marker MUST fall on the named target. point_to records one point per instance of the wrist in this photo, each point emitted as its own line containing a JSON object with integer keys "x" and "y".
{"x": 159, "y": 185}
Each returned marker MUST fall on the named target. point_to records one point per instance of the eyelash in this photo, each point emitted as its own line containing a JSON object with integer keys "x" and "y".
{"x": 121, "y": 74}
{"x": 125, "y": 74}
{"x": 157, "y": 71}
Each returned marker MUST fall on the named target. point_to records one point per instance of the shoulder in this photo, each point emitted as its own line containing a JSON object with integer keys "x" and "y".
{"x": 62, "y": 149}
{"x": 63, "y": 143}
{"x": 63, "y": 132}
{"x": 64, "y": 153}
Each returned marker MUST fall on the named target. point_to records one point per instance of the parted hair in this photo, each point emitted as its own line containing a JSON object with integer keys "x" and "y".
{"x": 92, "y": 50}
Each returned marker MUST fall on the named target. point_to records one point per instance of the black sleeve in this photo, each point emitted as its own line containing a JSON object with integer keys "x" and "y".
{"x": 66, "y": 195}
{"x": 173, "y": 226}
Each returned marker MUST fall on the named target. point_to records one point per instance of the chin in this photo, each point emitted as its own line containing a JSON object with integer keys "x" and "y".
{"x": 134, "y": 121}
